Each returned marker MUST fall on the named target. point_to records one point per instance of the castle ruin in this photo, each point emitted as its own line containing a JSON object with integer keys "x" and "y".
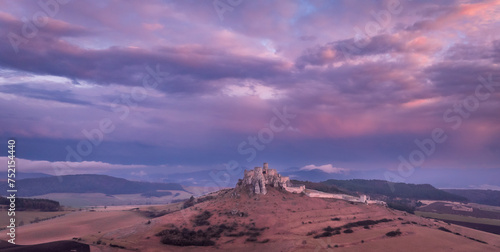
{"x": 259, "y": 177}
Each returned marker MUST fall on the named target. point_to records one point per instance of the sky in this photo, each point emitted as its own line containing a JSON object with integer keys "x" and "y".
{"x": 400, "y": 90}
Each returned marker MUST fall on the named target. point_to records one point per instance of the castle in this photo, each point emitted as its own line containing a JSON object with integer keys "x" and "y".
{"x": 259, "y": 177}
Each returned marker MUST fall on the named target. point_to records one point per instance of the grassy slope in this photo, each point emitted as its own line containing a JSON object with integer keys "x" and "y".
{"x": 28, "y": 216}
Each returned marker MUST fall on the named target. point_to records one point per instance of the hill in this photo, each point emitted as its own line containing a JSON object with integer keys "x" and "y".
{"x": 486, "y": 197}
{"x": 401, "y": 190}
{"x": 234, "y": 220}
{"x": 321, "y": 187}
{"x": 88, "y": 183}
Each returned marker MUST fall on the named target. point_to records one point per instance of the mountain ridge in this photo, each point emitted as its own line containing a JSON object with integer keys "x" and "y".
{"x": 88, "y": 183}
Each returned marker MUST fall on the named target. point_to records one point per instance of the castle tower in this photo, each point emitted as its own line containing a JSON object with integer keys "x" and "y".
{"x": 266, "y": 167}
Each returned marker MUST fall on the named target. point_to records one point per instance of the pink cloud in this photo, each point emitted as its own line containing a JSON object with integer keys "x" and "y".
{"x": 328, "y": 168}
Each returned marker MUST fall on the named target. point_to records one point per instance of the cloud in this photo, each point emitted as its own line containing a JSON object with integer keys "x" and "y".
{"x": 44, "y": 94}
{"x": 366, "y": 48}
{"x": 225, "y": 78}
{"x": 328, "y": 168}
{"x": 139, "y": 174}
{"x": 68, "y": 168}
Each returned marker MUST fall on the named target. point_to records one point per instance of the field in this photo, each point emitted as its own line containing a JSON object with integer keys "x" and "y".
{"x": 484, "y": 227}
{"x": 485, "y": 207}
{"x": 454, "y": 217}
{"x": 481, "y": 217}
{"x": 445, "y": 208}
{"x": 78, "y": 224}
{"x": 27, "y": 217}
{"x": 100, "y": 199}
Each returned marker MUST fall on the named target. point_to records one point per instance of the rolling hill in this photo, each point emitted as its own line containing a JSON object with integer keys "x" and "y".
{"x": 88, "y": 183}
{"x": 233, "y": 220}
{"x": 402, "y": 190}
{"x": 486, "y": 197}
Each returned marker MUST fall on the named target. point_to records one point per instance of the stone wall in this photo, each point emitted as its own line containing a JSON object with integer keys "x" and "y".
{"x": 296, "y": 189}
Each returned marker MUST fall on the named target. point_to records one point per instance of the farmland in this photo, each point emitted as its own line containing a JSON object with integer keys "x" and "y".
{"x": 446, "y": 208}
{"x": 472, "y": 215}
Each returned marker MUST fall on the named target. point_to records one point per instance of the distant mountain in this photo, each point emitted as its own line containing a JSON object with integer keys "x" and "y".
{"x": 26, "y": 175}
{"x": 87, "y": 183}
{"x": 197, "y": 178}
{"x": 486, "y": 197}
{"x": 317, "y": 175}
{"x": 402, "y": 190}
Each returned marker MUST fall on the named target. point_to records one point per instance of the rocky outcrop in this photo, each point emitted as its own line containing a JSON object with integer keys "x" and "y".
{"x": 260, "y": 177}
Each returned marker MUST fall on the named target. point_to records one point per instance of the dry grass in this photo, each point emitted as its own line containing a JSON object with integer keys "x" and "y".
{"x": 26, "y": 217}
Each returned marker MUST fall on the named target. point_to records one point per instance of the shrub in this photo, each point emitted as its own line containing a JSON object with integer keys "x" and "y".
{"x": 202, "y": 219}
{"x": 188, "y": 203}
{"x": 251, "y": 239}
{"x": 116, "y": 246}
{"x": 444, "y": 229}
{"x": 401, "y": 206}
{"x": 348, "y": 231}
{"x": 470, "y": 238}
{"x": 330, "y": 229}
{"x": 365, "y": 223}
{"x": 394, "y": 233}
{"x": 154, "y": 214}
{"x": 239, "y": 234}
{"x": 311, "y": 233}
{"x": 327, "y": 234}
{"x": 185, "y": 237}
